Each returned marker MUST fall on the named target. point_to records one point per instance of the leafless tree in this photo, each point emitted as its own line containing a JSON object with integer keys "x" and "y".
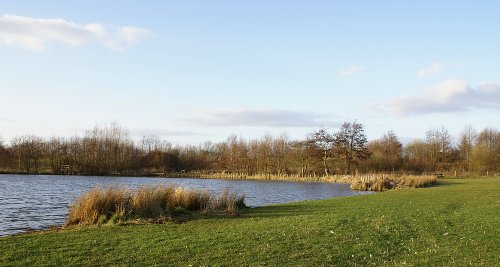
{"x": 109, "y": 150}
{"x": 386, "y": 153}
{"x": 350, "y": 145}
{"x": 466, "y": 144}
{"x": 323, "y": 142}
{"x": 486, "y": 153}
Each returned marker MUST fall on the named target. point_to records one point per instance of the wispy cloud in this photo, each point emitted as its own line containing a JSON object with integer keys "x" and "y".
{"x": 449, "y": 96}
{"x": 36, "y": 33}
{"x": 138, "y": 132}
{"x": 372, "y": 107}
{"x": 433, "y": 69}
{"x": 7, "y": 120}
{"x": 351, "y": 70}
{"x": 258, "y": 118}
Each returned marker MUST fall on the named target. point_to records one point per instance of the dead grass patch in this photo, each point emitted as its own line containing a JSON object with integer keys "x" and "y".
{"x": 373, "y": 183}
{"x": 148, "y": 203}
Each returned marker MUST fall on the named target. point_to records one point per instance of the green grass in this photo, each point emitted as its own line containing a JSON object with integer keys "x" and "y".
{"x": 456, "y": 222}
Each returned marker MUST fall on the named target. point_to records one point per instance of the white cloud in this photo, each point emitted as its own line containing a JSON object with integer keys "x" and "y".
{"x": 36, "y": 33}
{"x": 433, "y": 69}
{"x": 351, "y": 71}
{"x": 448, "y": 96}
{"x": 258, "y": 118}
{"x": 372, "y": 106}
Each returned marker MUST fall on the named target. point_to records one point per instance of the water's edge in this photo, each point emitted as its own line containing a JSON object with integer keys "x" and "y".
{"x": 37, "y": 202}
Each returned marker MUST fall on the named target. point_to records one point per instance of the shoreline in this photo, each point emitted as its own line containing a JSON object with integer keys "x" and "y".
{"x": 200, "y": 177}
{"x": 344, "y": 179}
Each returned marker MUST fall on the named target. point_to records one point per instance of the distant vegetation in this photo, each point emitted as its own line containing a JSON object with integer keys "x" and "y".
{"x": 149, "y": 203}
{"x": 381, "y": 183}
{"x": 110, "y": 150}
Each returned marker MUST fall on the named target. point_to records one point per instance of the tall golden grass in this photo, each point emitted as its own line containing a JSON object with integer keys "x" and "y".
{"x": 263, "y": 176}
{"x": 374, "y": 183}
{"x": 115, "y": 204}
{"x": 370, "y": 182}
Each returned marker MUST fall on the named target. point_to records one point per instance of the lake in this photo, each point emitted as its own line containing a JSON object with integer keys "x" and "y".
{"x": 37, "y": 202}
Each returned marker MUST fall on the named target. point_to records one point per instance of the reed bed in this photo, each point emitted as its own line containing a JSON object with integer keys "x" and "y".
{"x": 340, "y": 178}
{"x": 152, "y": 203}
{"x": 382, "y": 183}
{"x": 368, "y": 182}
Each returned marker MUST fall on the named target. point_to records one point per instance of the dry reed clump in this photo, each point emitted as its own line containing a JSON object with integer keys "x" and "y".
{"x": 379, "y": 184}
{"x": 189, "y": 199}
{"x": 115, "y": 204}
{"x": 416, "y": 181}
{"x": 150, "y": 202}
{"x": 386, "y": 183}
{"x": 98, "y": 202}
{"x": 229, "y": 202}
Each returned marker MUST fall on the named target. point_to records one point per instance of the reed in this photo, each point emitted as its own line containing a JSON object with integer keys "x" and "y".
{"x": 314, "y": 177}
{"x": 189, "y": 199}
{"x": 98, "y": 202}
{"x": 161, "y": 203}
{"x": 368, "y": 182}
{"x": 229, "y": 202}
{"x": 382, "y": 183}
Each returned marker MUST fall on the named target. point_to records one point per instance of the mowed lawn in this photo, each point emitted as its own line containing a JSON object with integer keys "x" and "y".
{"x": 456, "y": 222}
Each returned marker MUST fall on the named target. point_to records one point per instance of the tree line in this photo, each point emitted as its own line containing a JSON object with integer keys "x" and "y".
{"x": 110, "y": 150}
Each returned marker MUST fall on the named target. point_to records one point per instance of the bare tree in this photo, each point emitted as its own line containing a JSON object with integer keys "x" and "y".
{"x": 323, "y": 142}
{"x": 466, "y": 144}
{"x": 281, "y": 148}
{"x": 386, "y": 152}
{"x": 439, "y": 144}
{"x": 486, "y": 153}
{"x": 350, "y": 144}
{"x": 5, "y": 156}
{"x": 29, "y": 151}
{"x": 150, "y": 143}
{"x": 302, "y": 153}
{"x": 265, "y": 152}
{"x": 416, "y": 156}
{"x": 108, "y": 149}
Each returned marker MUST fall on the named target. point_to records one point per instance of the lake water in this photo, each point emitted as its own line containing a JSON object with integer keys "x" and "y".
{"x": 39, "y": 201}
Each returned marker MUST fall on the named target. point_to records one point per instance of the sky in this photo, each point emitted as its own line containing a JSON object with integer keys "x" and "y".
{"x": 191, "y": 71}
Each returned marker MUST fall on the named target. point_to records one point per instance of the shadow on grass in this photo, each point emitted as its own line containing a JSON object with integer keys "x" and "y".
{"x": 284, "y": 210}
{"x": 447, "y": 182}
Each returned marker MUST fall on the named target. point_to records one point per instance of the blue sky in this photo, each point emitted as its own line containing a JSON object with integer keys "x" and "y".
{"x": 190, "y": 71}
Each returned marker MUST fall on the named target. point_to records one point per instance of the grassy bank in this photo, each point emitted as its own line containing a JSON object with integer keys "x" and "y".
{"x": 454, "y": 222}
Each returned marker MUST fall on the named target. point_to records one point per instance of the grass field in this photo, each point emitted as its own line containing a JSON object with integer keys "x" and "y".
{"x": 456, "y": 222}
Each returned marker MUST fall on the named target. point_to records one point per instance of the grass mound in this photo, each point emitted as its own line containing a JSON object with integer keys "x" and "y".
{"x": 115, "y": 204}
